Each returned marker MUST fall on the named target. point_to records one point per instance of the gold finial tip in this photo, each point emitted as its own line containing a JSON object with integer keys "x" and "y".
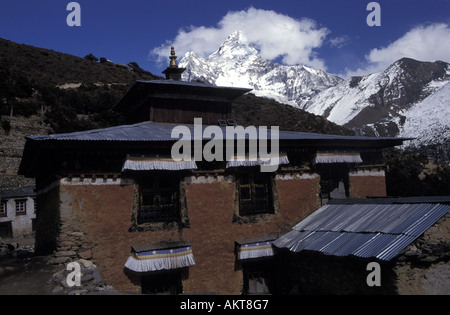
{"x": 173, "y": 58}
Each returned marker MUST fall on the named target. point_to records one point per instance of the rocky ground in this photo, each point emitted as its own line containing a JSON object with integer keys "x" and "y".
{"x": 23, "y": 273}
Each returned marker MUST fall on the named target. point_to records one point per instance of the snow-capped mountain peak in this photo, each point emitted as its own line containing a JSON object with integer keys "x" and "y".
{"x": 235, "y": 47}
{"x": 238, "y": 63}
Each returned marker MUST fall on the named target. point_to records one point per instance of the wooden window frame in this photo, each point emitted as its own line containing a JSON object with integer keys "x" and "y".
{"x": 4, "y": 209}
{"x": 250, "y": 185}
{"x": 159, "y": 202}
{"x": 19, "y": 209}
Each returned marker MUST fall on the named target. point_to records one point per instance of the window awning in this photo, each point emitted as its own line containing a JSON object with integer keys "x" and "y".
{"x": 337, "y": 157}
{"x": 153, "y": 163}
{"x": 257, "y": 160}
{"x": 254, "y": 248}
{"x": 160, "y": 256}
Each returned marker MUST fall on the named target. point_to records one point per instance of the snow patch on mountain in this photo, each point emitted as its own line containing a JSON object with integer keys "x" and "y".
{"x": 429, "y": 120}
{"x": 341, "y": 103}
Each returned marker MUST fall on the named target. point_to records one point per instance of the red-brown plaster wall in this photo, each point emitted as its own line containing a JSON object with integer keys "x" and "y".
{"x": 106, "y": 212}
{"x": 213, "y": 232}
{"x": 367, "y": 184}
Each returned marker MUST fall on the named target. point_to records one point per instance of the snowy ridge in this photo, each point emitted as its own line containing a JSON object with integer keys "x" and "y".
{"x": 341, "y": 103}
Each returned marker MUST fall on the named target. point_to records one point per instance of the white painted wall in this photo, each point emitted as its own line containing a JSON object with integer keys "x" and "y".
{"x": 21, "y": 223}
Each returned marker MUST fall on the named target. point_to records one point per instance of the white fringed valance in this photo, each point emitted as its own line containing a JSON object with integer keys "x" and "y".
{"x": 248, "y": 161}
{"x": 255, "y": 250}
{"x": 161, "y": 260}
{"x": 150, "y": 163}
{"x": 337, "y": 157}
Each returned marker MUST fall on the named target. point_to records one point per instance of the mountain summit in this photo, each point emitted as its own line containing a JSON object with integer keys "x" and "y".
{"x": 238, "y": 63}
{"x": 236, "y": 48}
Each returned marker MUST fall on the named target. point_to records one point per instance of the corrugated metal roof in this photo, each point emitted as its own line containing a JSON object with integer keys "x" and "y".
{"x": 363, "y": 230}
{"x": 150, "y": 131}
{"x": 20, "y": 191}
{"x": 256, "y": 239}
{"x": 160, "y": 245}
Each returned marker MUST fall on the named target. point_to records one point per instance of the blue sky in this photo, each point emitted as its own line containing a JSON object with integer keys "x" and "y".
{"x": 328, "y": 34}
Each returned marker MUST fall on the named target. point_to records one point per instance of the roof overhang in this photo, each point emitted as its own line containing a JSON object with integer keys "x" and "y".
{"x": 143, "y": 90}
{"x": 159, "y": 135}
{"x": 160, "y": 256}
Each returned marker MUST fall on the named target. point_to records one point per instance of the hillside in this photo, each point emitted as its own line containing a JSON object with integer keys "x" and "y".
{"x": 43, "y": 92}
{"x": 64, "y": 88}
{"x": 43, "y": 67}
{"x": 251, "y": 110}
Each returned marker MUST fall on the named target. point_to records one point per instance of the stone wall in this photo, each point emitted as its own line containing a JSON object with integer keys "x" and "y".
{"x": 95, "y": 220}
{"x": 89, "y": 281}
{"x": 11, "y": 147}
{"x": 423, "y": 267}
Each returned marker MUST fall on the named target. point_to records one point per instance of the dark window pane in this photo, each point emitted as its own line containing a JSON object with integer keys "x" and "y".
{"x": 159, "y": 199}
{"x": 255, "y": 193}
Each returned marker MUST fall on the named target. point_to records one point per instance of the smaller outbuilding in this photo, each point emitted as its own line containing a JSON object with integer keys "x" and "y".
{"x": 17, "y": 211}
{"x": 370, "y": 246}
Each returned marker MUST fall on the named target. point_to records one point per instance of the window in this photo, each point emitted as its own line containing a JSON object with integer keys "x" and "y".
{"x": 159, "y": 199}
{"x": 258, "y": 277}
{"x": 334, "y": 182}
{"x": 255, "y": 193}
{"x": 4, "y": 209}
{"x": 21, "y": 207}
{"x": 162, "y": 283}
